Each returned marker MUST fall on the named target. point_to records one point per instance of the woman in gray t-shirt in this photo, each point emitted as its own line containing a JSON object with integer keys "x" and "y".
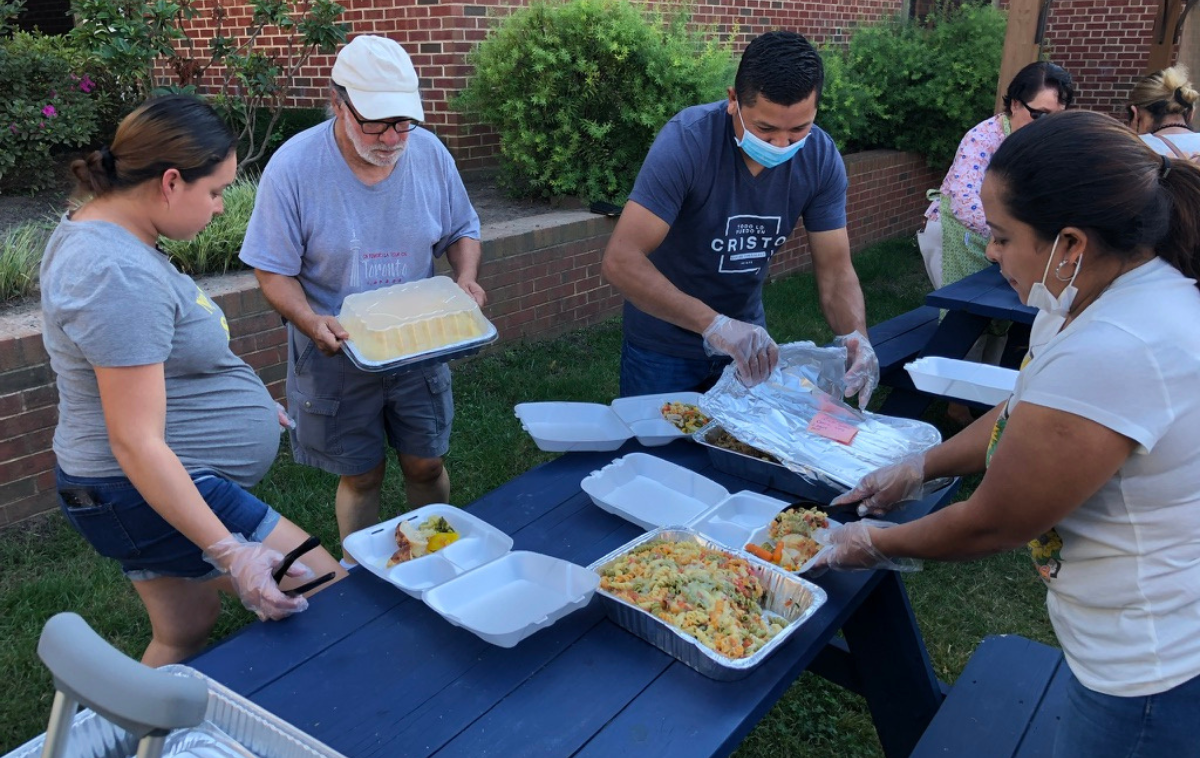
{"x": 161, "y": 426}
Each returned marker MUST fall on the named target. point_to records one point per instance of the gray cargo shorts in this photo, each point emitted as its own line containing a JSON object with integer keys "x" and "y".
{"x": 345, "y": 416}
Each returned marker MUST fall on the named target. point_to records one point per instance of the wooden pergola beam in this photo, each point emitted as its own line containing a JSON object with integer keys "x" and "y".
{"x": 1022, "y": 41}
{"x": 1168, "y": 22}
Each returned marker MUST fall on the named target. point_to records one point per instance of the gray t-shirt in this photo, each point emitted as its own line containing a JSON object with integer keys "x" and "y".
{"x": 110, "y": 300}
{"x": 315, "y": 220}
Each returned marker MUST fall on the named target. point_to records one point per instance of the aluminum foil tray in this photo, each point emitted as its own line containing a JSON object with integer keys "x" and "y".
{"x": 428, "y": 357}
{"x": 789, "y": 596}
{"x": 774, "y": 475}
{"x": 233, "y": 727}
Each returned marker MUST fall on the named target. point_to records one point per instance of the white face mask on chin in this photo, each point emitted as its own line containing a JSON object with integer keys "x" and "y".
{"x": 1040, "y": 297}
{"x": 1052, "y": 311}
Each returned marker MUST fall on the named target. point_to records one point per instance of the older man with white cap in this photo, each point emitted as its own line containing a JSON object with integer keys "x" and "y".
{"x": 365, "y": 200}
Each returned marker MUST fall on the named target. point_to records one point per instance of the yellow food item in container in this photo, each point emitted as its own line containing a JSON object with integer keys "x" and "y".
{"x": 686, "y": 416}
{"x": 415, "y": 317}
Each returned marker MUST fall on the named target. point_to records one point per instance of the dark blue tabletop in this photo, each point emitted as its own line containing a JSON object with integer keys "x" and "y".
{"x": 984, "y": 293}
{"x": 972, "y": 305}
{"x": 373, "y": 672}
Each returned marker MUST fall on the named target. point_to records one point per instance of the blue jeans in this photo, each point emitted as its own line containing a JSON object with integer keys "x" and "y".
{"x": 1105, "y": 726}
{"x": 114, "y": 518}
{"x": 648, "y": 372}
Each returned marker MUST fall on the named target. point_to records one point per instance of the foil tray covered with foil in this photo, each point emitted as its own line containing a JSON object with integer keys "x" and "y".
{"x": 780, "y": 414}
{"x": 787, "y": 596}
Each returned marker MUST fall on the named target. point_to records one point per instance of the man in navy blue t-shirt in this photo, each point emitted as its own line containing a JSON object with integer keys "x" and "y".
{"x": 718, "y": 194}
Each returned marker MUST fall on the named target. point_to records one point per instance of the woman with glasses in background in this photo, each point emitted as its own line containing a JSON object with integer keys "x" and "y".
{"x": 1160, "y": 109}
{"x": 1037, "y": 89}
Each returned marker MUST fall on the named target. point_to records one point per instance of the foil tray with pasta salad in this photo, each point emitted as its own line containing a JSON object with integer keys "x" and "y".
{"x": 719, "y": 611}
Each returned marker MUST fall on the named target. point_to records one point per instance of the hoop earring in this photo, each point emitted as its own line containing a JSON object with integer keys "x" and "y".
{"x": 1058, "y": 272}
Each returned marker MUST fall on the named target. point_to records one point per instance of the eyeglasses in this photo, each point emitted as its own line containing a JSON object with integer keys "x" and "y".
{"x": 1034, "y": 113}
{"x": 379, "y": 127}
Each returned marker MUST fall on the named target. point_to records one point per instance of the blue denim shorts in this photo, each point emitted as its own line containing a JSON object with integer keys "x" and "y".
{"x": 649, "y": 372}
{"x": 1095, "y": 725}
{"x": 112, "y": 516}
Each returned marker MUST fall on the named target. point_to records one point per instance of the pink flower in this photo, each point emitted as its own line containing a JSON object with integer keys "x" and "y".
{"x": 86, "y": 85}
{"x": 13, "y": 128}
{"x": 49, "y": 111}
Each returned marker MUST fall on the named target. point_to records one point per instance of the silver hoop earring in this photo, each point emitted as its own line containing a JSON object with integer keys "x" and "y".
{"x": 1058, "y": 270}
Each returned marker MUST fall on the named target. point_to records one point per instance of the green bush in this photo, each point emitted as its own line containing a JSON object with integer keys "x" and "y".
{"x": 215, "y": 250}
{"x": 925, "y": 85}
{"x": 847, "y": 108}
{"x": 21, "y": 249}
{"x": 47, "y": 108}
{"x": 578, "y": 90}
{"x": 291, "y": 122}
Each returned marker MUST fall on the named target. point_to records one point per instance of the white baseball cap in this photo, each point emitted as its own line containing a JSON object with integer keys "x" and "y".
{"x": 379, "y": 78}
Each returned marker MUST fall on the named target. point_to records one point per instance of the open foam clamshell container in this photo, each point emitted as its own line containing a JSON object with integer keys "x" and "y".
{"x": 977, "y": 382}
{"x": 476, "y": 582}
{"x": 654, "y": 493}
{"x": 560, "y": 426}
{"x": 787, "y": 596}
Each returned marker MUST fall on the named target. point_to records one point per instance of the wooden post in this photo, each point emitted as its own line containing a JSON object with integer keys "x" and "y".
{"x": 1020, "y": 46}
{"x": 1167, "y": 18}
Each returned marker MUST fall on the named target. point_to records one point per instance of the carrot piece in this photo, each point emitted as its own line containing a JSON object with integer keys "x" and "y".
{"x": 777, "y": 558}
{"x": 758, "y": 551}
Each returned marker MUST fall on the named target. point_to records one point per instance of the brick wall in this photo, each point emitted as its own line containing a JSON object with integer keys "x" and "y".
{"x": 1104, "y": 45}
{"x": 543, "y": 278}
{"x": 438, "y": 35}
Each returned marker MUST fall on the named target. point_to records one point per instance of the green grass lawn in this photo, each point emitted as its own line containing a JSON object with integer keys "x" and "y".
{"x": 47, "y": 568}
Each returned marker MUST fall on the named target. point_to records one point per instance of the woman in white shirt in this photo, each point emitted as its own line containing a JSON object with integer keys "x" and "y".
{"x": 1161, "y": 106}
{"x": 1092, "y": 461}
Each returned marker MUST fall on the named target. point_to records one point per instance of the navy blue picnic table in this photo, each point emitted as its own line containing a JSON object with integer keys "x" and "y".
{"x": 372, "y": 672}
{"x": 971, "y": 305}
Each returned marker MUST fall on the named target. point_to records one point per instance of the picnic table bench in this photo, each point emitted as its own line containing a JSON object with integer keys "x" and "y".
{"x": 971, "y": 304}
{"x": 1006, "y": 703}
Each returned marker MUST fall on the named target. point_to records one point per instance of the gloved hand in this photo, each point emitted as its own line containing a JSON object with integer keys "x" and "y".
{"x": 249, "y": 565}
{"x": 752, "y": 349}
{"x": 862, "y": 374}
{"x": 850, "y": 549}
{"x": 286, "y": 421}
{"x": 880, "y": 490}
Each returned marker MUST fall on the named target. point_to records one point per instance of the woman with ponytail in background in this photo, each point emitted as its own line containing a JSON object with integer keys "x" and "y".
{"x": 1092, "y": 461}
{"x": 1161, "y": 107}
{"x": 161, "y": 426}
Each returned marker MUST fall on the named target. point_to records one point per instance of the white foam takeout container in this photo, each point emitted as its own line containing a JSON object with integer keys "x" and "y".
{"x": 561, "y": 426}
{"x": 977, "y": 382}
{"x": 476, "y": 582}
{"x": 655, "y": 494}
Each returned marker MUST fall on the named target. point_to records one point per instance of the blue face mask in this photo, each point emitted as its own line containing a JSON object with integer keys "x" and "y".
{"x": 762, "y": 152}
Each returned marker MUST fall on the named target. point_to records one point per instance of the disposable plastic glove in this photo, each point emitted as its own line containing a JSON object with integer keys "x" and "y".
{"x": 862, "y": 376}
{"x": 880, "y": 490}
{"x": 850, "y": 549}
{"x": 249, "y": 565}
{"x": 752, "y": 349}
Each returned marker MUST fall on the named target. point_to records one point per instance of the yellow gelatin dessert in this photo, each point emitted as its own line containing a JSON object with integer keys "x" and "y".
{"x": 404, "y": 319}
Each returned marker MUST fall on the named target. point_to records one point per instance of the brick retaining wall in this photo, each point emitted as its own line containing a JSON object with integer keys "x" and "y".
{"x": 542, "y": 274}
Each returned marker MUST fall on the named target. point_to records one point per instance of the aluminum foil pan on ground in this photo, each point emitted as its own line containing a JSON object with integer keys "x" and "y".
{"x": 233, "y": 727}
{"x": 789, "y": 596}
